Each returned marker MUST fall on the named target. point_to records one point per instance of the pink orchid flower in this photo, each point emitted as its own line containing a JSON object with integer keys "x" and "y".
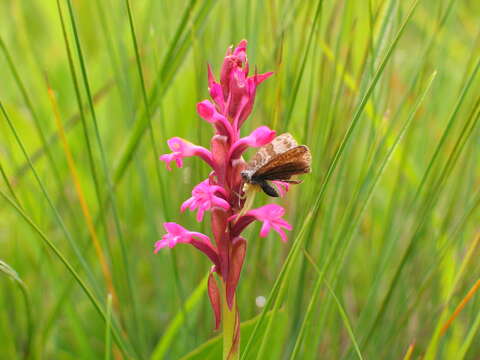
{"x": 177, "y": 234}
{"x": 271, "y": 217}
{"x": 182, "y": 148}
{"x": 205, "y": 197}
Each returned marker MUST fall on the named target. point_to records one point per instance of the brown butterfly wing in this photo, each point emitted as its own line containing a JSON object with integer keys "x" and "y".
{"x": 265, "y": 154}
{"x": 291, "y": 162}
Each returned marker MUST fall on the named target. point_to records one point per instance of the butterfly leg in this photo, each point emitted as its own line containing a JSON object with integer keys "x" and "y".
{"x": 296, "y": 182}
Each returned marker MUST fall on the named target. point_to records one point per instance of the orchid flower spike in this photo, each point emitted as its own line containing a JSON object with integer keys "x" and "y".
{"x": 222, "y": 195}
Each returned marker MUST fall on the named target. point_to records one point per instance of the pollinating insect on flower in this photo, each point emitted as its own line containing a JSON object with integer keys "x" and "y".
{"x": 228, "y": 191}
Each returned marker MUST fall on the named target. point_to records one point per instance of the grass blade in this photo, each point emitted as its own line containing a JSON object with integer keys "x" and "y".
{"x": 341, "y": 310}
{"x": 12, "y": 274}
{"x": 108, "y": 329}
{"x": 120, "y": 342}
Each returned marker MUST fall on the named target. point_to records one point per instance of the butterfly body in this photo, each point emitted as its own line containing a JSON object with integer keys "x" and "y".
{"x": 278, "y": 161}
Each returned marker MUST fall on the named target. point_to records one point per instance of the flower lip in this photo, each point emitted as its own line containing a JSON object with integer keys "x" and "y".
{"x": 204, "y": 198}
{"x": 271, "y": 216}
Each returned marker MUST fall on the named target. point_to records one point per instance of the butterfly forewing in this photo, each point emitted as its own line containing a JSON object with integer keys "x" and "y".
{"x": 265, "y": 154}
{"x": 294, "y": 161}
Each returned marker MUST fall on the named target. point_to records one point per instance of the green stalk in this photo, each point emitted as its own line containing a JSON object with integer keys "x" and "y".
{"x": 229, "y": 320}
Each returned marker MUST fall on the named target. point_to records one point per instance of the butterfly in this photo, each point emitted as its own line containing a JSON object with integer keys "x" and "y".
{"x": 278, "y": 160}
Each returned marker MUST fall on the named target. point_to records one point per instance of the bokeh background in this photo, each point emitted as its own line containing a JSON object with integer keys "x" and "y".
{"x": 382, "y": 262}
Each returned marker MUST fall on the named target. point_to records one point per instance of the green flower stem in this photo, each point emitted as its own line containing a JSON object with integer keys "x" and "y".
{"x": 229, "y": 319}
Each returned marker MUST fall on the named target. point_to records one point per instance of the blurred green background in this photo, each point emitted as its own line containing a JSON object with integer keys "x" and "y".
{"x": 384, "y": 250}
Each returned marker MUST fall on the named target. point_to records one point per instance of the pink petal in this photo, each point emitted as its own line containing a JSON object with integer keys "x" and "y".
{"x": 204, "y": 198}
{"x": 283, "y": 236}
{"x": 268, "y": 211}
{"x": 259, "y": 137}
{"x": 238, "y": 94}
{"x": 186, "y": 204}
{"x": 216, "y": 93}
{"x": 271, "y": 216}
{"x": 182, "y": 148}
{"x": 168, "y": 158}
{"x": 241, "y": 50}
{"x": 200, "y": 213}
{"x": 281, "y": 186}
{"x": 229, "y": 64}
{"x": 206, "y": 110}
{"x": 265, "y": 229}
{"x": 179, "y": 145}
{"x": 159, "y": 245}
{"x": 284, "y": 224}
{"x": 179, "y": 162}
{"x": 174, "y": 228}
{"x": 259, "y": 78}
